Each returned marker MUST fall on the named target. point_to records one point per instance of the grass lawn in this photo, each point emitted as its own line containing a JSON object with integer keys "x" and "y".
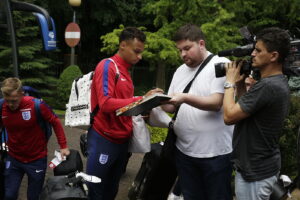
{"x": 59, "y": 112}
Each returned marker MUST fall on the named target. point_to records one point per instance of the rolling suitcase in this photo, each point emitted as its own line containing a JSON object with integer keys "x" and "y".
{"x": 155, "y": 177}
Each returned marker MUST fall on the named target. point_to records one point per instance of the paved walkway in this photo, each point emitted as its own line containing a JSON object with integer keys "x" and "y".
{"x": 133, "y": 166}
{"x": 73, "y": 135}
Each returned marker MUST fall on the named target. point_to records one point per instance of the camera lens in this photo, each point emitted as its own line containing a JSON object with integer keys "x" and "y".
{"x": 220, "y": 70}
{"x": 246, "y": 67}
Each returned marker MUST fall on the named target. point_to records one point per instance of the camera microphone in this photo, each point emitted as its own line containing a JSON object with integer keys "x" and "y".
{"x": 238, "y": 51}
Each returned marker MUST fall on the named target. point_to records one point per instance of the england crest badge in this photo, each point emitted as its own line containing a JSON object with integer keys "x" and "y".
{"x": 26, "y": 115}
{"x": 103, "y": 158}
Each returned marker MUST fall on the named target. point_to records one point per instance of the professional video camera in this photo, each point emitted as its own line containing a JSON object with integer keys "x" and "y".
{"x": 240, "y": 51}
{"x": 291, "y": 66}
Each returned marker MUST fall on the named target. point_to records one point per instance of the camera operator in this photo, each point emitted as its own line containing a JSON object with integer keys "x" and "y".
{"x": 258, "y": 115}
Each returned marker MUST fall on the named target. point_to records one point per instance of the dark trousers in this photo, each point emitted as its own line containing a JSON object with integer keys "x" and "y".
{"x": 106, "y": 160}
{"x": 14, "y": 172}
{"x": 204, "y": 178}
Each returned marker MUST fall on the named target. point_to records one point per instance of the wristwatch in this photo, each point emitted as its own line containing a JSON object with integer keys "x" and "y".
{"x": 229, "y": 85}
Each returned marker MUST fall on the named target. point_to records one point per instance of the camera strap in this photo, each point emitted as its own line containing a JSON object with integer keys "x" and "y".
{"x": 187, "y": 88}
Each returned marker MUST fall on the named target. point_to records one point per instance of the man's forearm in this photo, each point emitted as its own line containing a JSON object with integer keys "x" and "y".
{"x": 209, "y": 103}
{"x": 228, "y": 104}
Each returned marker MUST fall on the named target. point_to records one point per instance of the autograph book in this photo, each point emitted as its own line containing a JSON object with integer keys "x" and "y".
{"x": 141, "y": 106}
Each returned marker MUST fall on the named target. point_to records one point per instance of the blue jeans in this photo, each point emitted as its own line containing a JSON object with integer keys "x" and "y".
{"x": 204, "y": 178}
{"x": 107, "y": 161}
{"x": 256, "y": 190}
{"x": 14, "y": 172}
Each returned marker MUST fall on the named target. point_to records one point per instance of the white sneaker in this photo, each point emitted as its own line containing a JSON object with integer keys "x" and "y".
{"x": 174, "y": 197}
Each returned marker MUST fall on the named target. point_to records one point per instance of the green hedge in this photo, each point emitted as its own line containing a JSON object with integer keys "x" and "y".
{"x": 158, "y": 134}
{"x": 64, "y": 85}
{"x": 288, "y": 140}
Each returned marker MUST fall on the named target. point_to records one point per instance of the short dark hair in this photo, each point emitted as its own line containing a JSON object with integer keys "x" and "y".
{"x": 189, "y": 32}
{"x": 130, "y": 33}
{"x": 275, "y": 39}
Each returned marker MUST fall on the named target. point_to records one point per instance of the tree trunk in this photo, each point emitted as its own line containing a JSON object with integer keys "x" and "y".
{"x": 161, "y": 75}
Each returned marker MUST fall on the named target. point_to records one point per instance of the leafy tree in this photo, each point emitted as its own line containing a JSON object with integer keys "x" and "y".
{"x": 159, "y": 51}
{"x": 35, "y": 66}
{"x": 5, "y": 56}
{"x": 95, "y": 18}
{"x": 5, "y": 50}
{"x": 257, "y": 14}
{"x": 209, "y": 15}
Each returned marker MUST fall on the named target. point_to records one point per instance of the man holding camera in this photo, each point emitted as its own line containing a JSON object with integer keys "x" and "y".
{"x": 258, "y": 115}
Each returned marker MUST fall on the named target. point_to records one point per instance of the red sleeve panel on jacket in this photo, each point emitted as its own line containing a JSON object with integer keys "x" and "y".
{"x": 49, "y": 116}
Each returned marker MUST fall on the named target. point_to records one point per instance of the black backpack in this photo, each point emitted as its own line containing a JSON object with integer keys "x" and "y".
{"x": 64, "y": 184}
{"x": 62, "y": 187}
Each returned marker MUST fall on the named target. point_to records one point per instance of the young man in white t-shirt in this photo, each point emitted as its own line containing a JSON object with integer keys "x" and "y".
{"x": 203, "y": 140}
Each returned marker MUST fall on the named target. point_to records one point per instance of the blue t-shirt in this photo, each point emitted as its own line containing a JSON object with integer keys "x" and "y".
{"x": 256, "y": 151}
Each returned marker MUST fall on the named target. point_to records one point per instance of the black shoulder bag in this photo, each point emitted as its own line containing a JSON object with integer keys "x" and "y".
{"x": 169, "y": 144}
